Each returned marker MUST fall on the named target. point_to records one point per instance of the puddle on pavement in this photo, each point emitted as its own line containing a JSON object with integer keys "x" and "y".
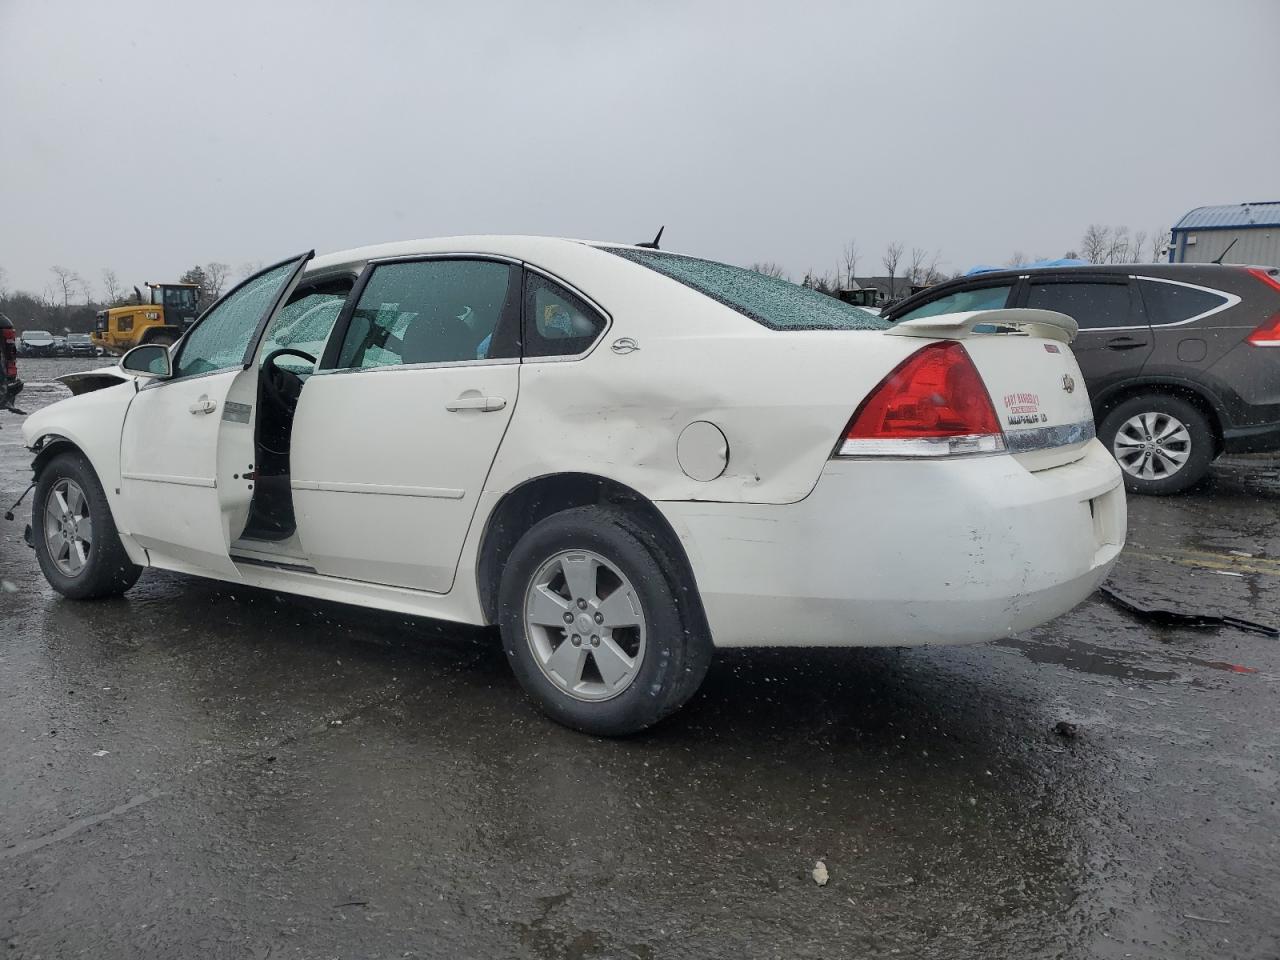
{"x": 1089, "y": 658}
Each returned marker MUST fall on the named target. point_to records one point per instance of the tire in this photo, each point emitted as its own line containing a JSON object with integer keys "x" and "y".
{"x": 1163, "y": 444}
{"x": 164, "y": 339}
{"x": 669, "y": 648}
{"x": 105, "y": 570}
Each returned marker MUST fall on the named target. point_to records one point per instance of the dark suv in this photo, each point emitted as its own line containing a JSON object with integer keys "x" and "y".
{"x": 1174, "y": 355}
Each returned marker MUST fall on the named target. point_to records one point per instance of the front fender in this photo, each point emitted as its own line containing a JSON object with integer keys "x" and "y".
{"x": 91, "y": 424}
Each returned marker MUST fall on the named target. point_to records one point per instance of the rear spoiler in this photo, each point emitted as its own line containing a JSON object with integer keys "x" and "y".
{"x": 1019, "y": 320}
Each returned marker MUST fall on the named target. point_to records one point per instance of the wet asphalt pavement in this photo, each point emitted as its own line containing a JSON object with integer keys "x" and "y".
{"x": 205, "y": 770}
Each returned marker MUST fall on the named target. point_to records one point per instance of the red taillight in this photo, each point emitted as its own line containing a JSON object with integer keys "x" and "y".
{"x": 1268, "y": 332}
{"x": 10, "y": 351}
{"x": 933, "y": 404}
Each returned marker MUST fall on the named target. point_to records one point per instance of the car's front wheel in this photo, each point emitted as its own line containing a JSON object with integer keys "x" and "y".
{"x": 592, "y": 626}
{"x": 75, "y": 536}
{"x": 1163, "y": 444}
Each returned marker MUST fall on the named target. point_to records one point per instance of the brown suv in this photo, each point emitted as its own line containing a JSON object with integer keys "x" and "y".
{"x": 1182, "y": 361}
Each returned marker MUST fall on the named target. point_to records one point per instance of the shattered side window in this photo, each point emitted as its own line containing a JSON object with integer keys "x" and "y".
{"x": 305, "y": 322}
{"x": 771, "y": 302}
{"x": 221, "y": 337}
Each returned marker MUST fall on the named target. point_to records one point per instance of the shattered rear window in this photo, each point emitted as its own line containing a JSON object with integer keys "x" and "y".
{"x": 773, "y": 303}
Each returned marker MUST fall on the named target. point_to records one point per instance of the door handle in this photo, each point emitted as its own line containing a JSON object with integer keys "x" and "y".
{"x": 483, "y": 404}
{"x": 1125, "y": 343}
{"x": 203, "y": 405}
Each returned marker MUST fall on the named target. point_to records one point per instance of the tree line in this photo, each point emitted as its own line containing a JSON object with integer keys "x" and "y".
{"x": 921, "y": 268}
{"x": 69, "y": 302}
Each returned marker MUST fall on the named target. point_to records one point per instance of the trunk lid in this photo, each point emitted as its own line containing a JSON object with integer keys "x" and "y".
{"x": 1025, "y": 359}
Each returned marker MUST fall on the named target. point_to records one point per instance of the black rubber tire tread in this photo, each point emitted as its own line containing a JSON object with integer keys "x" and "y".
{"x": 108, "y": 571}
{"x": 678, "y": 646}
{"x": 1203, "y": 441}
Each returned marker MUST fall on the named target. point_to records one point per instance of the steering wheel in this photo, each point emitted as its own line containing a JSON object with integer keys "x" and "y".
{"x": 283, "y": 387}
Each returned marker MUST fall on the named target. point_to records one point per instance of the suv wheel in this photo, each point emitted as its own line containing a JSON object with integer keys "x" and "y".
{"x": 75, "y": 537}
{"x": 592, "y": 626}
{"x": 1163, "y": 444}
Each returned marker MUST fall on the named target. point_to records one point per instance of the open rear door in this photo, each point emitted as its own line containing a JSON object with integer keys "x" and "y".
{"x": 187, "y": 448}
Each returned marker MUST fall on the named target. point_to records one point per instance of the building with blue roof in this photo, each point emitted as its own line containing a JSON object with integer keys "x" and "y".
{"x": 1244, "y": 232}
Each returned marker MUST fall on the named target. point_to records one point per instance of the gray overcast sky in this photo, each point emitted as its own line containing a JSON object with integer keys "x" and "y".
{"x": 147, "y": 137}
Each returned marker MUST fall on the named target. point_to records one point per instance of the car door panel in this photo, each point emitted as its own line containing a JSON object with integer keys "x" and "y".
{"x": 187, "y": 445}
{"x": 1114, "y": 339}
{"x": 388, "y": 465}
{"x": 394, "y": 437}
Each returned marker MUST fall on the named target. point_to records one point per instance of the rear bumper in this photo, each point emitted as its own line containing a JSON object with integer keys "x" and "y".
{"x": 899, "y": 553}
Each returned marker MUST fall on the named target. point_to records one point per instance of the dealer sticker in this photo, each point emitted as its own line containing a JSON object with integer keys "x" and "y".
{"x": 1023, "y": 408}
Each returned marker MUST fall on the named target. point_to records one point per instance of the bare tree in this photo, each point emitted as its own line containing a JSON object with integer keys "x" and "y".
{"x": 1139, "y": 244}
{"x": 892, "y": 257}
{"x": 83, "y": 284}
{"x": 1159, "y": 237}
{"x": 915, "y": 268}
{"x": 1017, "y": 259}
{"x": 66, "y": 283}
{"x": 933, "y": 273}
{"x": 768, "y": 268}
{"x": 4, "y": 283}
{"x": 1119, "y": 250}
{"x": 250, "y": 267}
{"x": 1096, "y": 243}
{"x": 850, "y": 260}
{"x": 216, "y": 274}
{"x": 110, "y": 285}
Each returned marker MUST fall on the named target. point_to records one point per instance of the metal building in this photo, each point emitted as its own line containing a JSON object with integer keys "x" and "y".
{"x": 1207, "y": 233}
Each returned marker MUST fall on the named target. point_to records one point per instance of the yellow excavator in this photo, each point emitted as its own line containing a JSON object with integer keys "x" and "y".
{"x": 170, "y": 310}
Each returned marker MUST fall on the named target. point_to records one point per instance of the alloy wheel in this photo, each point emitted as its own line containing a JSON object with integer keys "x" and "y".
{"x": 68, "y": 528}
{"x": 585, "y": 625}
{"x": 1152, "y": 446}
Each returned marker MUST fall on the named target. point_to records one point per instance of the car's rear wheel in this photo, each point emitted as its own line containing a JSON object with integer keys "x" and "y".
{"x": 75, "y": 537}
{"x": 1163, "y": 444}
{"x": 592, "y": 626}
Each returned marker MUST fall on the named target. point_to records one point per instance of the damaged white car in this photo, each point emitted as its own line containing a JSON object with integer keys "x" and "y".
{"x": 622, "y": 457}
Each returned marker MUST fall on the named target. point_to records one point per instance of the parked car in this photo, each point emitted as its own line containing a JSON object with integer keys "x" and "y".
{"x": 621, "y": 457}
{"x": 81, "y": 345}
{"x": 1174, "y": 356}
{"x": 36, "y": 343}
{"x": 60, "y": 346}
{"x": 10, "y": 385}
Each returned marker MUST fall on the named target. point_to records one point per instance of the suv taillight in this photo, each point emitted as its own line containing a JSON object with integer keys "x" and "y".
{"x": 933, "y": 404}
{"x": 1268, "y": 332}
{"x": 9, "y": 348}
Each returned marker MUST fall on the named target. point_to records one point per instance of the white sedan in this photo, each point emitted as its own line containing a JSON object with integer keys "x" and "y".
{"x": 622, "y": 457}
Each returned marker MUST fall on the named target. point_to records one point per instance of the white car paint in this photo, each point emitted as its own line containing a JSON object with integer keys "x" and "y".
{"x": 394, "y": 492}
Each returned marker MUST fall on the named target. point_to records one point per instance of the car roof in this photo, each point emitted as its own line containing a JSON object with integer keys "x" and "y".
{"x": 1170, "y": 270}
{"x": 516, "y": 246}
{"x": 1125, "y": 269}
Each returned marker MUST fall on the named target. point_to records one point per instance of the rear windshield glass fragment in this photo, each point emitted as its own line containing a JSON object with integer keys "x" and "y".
{"x": 776, "y": 304}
